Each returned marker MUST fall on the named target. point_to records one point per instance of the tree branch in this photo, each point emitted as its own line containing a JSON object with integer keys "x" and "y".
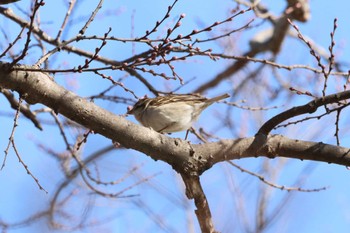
{"x": 194, "y": 191}
{"x": 310, "y": 107}
{"x": 271, "y": 146}
{"x": 188, "y": 160}
{"x": 267, "y": 41}
{"x": 24, "y": 109}
{"x": 40, "y": 88}
{"x": 183, "y": 157}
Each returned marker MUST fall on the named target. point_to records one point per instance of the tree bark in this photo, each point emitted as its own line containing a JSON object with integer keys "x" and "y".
{"x": 185, "y": 158}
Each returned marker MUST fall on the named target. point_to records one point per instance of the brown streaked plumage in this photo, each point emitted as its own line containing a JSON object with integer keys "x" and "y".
{"x": 171, "y": 113}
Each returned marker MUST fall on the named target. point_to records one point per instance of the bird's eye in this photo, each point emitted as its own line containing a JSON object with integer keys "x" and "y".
{"x": 139, "y": 104}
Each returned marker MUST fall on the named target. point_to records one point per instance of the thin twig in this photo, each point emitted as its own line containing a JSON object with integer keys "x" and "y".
{"x": 281, "y": 187}
{"x": 92, "y": 17}
{"x": 37, "y": 5}
{"x": 64, "y": 23}
{"x": 25, "y": 110}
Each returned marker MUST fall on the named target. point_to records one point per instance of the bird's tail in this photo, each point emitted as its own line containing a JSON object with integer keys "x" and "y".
{"x": 217, "y": 98}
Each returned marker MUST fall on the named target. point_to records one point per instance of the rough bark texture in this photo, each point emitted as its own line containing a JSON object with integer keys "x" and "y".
{"x": 37, "y": 87}
{"x": 188, "y": 160}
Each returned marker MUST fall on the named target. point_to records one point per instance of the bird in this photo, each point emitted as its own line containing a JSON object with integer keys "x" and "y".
{"x": 171, "y": 113}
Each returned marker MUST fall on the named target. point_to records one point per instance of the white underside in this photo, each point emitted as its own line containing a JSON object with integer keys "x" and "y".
{"x": 157, "y": 117}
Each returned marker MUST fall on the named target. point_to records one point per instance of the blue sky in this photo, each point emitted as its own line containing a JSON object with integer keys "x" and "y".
{"x": 325, "y": 211}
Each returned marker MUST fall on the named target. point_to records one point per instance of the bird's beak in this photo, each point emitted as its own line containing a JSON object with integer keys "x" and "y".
{"x": 130, "y": 110}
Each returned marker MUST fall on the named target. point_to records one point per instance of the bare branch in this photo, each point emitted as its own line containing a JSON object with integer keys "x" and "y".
{"x": 310, "y": 107}
{"x": 24, "y": 109}
{"x": 282, "y": 187}
{"x": 184, "y": 158}
{"x": 92, "y": 17}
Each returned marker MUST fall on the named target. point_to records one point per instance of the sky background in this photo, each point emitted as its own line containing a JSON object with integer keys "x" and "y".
{"x": 321, "y": 212}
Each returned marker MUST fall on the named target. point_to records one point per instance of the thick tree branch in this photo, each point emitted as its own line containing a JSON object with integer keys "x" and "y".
{"x": 272, "y": 146}
{"x": 38, "y": 87}
{"x": 188, "y": 160}
{"x": 195, "y": 191}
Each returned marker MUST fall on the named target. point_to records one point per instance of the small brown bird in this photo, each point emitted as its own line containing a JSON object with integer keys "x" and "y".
{"x": 171, "y": 113}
